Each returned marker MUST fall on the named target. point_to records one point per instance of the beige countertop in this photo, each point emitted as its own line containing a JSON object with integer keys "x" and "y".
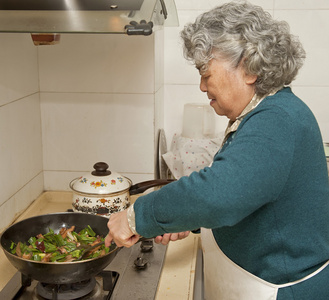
{"x": 177, "y": 277}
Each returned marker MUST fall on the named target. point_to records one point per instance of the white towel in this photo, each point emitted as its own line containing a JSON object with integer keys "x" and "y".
{"x": 188, "y": 154}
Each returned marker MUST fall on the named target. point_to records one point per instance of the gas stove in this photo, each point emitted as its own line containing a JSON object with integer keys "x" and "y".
{"x": 133, "y": 274}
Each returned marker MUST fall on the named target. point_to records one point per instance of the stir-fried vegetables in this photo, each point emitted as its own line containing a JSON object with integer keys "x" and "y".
{"x": 62, "y": 247}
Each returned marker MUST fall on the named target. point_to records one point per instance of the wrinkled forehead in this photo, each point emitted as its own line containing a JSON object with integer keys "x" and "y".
{"x": 202, "y": 64}
{"x": 203, "y": 67}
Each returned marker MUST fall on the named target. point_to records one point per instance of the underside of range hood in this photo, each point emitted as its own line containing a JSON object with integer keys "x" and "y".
{"x": 132, "y": 17}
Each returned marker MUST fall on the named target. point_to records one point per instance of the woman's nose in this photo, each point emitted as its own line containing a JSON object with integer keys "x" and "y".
{"x": 203, "y": 86}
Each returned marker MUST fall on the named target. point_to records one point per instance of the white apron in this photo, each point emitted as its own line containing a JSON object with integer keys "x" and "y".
{"x": 225, "y": 280}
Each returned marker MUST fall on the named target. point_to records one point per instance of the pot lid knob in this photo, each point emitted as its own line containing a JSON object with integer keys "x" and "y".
{"x": 101, "y": 169}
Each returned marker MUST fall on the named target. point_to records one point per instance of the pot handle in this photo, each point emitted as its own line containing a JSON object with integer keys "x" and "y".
{"x": 143, "y": 186}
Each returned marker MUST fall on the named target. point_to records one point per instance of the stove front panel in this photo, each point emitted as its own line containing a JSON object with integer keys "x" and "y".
{"x": 135, "y": 282}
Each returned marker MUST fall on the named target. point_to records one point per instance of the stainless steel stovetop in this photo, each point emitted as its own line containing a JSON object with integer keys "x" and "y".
{"x": 133, "y": 274}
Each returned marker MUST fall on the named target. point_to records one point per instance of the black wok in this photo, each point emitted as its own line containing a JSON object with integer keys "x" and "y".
{"x": 61, "y": 272}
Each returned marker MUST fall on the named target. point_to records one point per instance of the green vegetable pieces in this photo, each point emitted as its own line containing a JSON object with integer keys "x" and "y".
{"x": 64, "y": 246}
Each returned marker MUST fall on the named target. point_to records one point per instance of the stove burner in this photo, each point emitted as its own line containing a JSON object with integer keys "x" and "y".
{"x": 66, "y": 291}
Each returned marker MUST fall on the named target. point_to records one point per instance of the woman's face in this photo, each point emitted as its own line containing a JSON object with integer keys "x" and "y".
{"x": 229, "y": 89}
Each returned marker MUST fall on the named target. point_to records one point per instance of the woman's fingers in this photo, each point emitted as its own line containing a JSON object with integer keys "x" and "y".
{"x": 167, "y": 237}
{"x": 108, "y": 240}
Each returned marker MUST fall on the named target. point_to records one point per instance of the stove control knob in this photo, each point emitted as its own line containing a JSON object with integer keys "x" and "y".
{"x": 140, "y": 263}
{"x": 147, "y": 245}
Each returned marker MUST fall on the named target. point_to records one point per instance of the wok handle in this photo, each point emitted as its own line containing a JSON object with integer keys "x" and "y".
{"x": 143, "y": 186}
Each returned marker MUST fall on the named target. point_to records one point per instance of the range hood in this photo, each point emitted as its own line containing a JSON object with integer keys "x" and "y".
{"x": 132, "y": 17}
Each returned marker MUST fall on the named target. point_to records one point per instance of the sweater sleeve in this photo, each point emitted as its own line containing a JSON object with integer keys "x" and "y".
{"x": 249, "y": 171}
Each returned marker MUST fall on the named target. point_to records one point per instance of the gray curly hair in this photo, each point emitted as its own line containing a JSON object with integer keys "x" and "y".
{"x": 241, "y": 32}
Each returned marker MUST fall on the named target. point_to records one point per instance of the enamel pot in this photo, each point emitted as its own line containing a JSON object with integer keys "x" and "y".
{"x": 103, "y": 192}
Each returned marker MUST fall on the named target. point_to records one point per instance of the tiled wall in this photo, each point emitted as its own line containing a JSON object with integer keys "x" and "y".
{"x": 21, "y": 177}
{"x": 102, "y": 98}
{"x": 64, "y": 107}
{"x": 97, "y": 104}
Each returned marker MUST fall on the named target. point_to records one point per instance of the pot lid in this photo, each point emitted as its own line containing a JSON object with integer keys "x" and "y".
{"x": 132, "y": 17}
{"x": 101, "y": 181}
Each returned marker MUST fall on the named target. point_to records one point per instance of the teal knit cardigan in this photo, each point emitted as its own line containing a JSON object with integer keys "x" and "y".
{"x": 265, "y": 196}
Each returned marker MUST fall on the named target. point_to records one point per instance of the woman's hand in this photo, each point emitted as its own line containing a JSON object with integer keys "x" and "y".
{"x": 119, "y": 231}
{"x": 167, "y": 237}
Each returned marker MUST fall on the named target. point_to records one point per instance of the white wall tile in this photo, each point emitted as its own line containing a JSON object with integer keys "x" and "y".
{"x": 317, "y": 99}
{"x": 80, "y": 129}
{"x": 177, "y": 69}
{"x": 158, "y": 59}
{"x": 197, "y": 4}
{"x": 176, "y": 97}
{"x": 21, "y": 178}
{"x": 158, "y": 108}
{"x": 301, "y": 4}
{"x": 208, "y": 4}
{"x": 98, "y": 63}
{"x": 20, "y": 147}
{"x": 19, "y": 67}
{"x": 16, "y": 204}
{"x": 314, "y": 40}
{"x": 265, "y": 4}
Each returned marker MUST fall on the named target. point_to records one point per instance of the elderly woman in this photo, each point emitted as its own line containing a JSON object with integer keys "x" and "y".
{"x": 263, "y": 204}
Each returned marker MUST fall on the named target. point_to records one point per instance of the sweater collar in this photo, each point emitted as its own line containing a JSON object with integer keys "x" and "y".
{"x": 254, "y": 102}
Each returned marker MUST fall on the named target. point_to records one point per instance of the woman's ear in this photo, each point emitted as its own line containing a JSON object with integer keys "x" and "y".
{"x": 250, "y": 79}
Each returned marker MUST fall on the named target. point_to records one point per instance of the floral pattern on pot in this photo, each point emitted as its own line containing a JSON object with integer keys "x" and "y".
{"x": 100, "y": 183}
{"x": 101, "y": 206}
{"x": 97, "y": 184}
{"x": 86, "y": 200}
{"x": 83, "y": 179}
